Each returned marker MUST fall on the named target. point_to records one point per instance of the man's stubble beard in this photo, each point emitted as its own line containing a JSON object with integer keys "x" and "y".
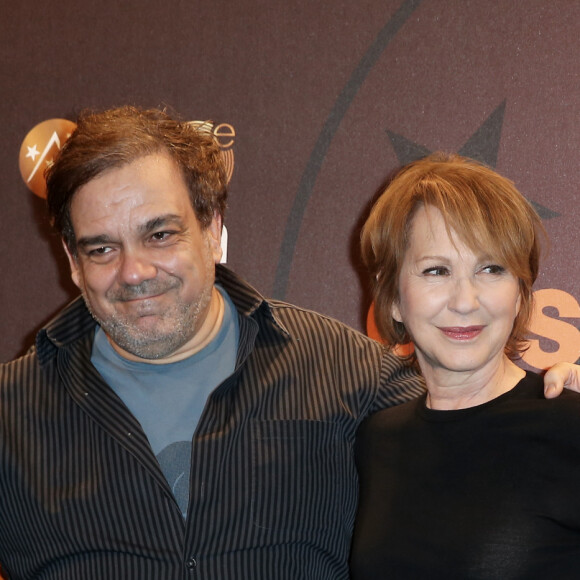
{"x": 149, "y": 344}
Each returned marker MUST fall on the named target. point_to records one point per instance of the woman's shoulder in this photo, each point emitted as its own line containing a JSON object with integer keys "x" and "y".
{"x": 532, "y": 387}
{"x": 392, "y": 418}
{"x": 559, "y": 415}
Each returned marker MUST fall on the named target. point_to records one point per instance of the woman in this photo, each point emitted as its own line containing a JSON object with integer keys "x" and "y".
{"x": 479, "y": 477}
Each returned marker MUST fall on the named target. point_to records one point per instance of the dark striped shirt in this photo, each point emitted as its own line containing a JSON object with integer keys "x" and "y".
{"x": 273, "y": 483}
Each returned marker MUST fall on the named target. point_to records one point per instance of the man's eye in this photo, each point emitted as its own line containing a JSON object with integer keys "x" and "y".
{"x": 160, "y": 236}
{"x": 100, "y": 251}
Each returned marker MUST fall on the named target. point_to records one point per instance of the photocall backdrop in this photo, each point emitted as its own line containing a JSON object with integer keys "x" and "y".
{"x": 315, "y": 104}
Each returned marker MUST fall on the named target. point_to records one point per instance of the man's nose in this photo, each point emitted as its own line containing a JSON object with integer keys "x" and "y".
{"x": 135, "y": 267}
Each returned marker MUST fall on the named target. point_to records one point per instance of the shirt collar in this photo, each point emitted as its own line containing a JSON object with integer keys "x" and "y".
{"x": 70, "y": 324}
{"x": 75, "y": 321}
{"x": 247, "y": 299}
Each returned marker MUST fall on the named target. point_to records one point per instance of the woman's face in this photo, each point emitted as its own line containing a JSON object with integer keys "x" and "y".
{"x": 458, "y": 306}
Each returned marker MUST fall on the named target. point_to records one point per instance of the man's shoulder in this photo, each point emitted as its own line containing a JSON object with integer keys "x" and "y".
{"x": 71, "y": 324}
{"x": 20, "y": 371}
{"x": 289, "y": 318}
{"x": 298, "y": 320}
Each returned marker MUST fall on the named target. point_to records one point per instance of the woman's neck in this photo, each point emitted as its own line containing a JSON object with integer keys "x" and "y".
{"x": 447, "y": 390}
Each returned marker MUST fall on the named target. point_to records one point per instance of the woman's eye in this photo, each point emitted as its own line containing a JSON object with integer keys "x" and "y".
{"x": 493, "y": 269}
{"x": 436, "y": 271}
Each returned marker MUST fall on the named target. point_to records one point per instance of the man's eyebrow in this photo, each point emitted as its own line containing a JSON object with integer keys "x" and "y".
{"x": 149, "y": 226}
{"x": 160, "y": 222}
{"x": 100, "y": 240}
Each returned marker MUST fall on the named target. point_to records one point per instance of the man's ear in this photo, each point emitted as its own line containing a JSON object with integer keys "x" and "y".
{"x": 214, "y": 236}
{"x": 74, "y": 265}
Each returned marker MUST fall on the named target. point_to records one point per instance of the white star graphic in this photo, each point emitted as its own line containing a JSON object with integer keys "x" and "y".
{"x": 32, "y": 152}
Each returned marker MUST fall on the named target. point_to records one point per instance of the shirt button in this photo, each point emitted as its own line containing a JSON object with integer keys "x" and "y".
{"x": 191, "y": 563}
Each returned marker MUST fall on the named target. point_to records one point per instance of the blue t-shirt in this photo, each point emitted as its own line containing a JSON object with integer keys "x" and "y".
{"x": 168, "y": 399}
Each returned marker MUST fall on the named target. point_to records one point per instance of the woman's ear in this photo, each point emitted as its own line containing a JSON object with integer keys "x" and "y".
{"x": 396, "y": 312}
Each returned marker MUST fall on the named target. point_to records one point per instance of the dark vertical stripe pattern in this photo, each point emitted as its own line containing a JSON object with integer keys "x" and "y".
{"x": 273, "y": 483}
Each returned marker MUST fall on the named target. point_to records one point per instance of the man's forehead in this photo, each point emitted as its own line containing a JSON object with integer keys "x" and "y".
{"x": 150, "y": 181}
{"x": 130, "y": 216}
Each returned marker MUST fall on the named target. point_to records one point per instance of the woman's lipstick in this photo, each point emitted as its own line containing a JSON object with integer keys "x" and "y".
{"x": 461, "y": 332}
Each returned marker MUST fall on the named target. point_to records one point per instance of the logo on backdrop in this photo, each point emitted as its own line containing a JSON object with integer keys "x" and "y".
{"x": 224, "y": 134}
{"x": 45, "y": 140}
{"x": 554, "y": 336}
{"x": 38, "y": 150}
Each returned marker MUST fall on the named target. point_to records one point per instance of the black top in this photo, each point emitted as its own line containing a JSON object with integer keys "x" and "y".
{"x": 487, "y": 492}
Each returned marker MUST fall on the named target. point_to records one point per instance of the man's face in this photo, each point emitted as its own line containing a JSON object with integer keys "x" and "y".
{"x": 144, "y": 265}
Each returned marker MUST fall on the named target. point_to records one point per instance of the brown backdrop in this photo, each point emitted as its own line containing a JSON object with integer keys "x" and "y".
{"x": 326, "y": 99}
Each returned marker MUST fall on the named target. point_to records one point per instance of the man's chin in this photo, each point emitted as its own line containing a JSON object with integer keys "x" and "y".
{"x": 147, "y": 349}
{"x": 148, "y": 337}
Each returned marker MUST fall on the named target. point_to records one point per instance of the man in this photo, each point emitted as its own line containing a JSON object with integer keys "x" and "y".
{"x": 173, "y": 423}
